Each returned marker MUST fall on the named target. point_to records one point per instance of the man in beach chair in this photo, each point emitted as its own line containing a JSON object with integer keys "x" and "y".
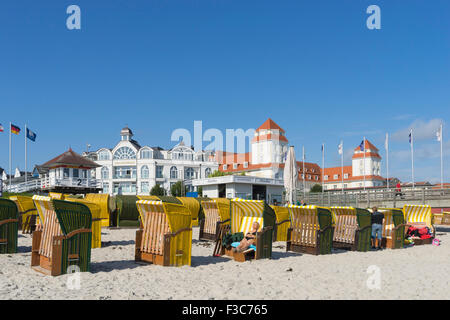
{"x": 248, "y": 241}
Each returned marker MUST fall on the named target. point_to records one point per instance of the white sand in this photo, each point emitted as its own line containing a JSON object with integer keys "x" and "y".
{"x": 421, "y": 272}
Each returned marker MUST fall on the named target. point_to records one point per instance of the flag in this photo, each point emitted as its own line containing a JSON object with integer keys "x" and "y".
{"x": 361, "y": 146}
{"x": 1, "y": 128}
{"x": 410, "y": 136}
{"x": 340, "y": 147}
{"x": 439, "y": 134}
{"x": 31, "y": 135}
{"x": 322, "y": 147}
{"x": 15, "y": 129}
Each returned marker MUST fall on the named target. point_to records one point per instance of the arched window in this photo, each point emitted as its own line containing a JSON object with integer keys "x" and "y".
{"x": 146, "y": 154}
{"x": 173, "y": 173}
{"x": 124, "y": 153}
{"x": 105, "y": 173}
{"x": 207, "y": 172}
{"x": 189, "y": 173}
{"x": 104, "y": 155}
{"x": 144, "y": 172}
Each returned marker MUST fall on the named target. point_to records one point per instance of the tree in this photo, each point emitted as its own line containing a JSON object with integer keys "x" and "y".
{"x": 218, "y": 173}
{"x": 176, "y": 190}
{"x": 316, "y": 188}
{"x": 200, "y": 191}
{"x": 157, "y": 190}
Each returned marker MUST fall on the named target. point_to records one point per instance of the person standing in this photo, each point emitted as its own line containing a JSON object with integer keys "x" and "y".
{"x": 377, "y": 228}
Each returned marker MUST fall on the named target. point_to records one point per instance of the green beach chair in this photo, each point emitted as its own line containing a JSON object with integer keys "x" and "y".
{"x": 9, "y": 226}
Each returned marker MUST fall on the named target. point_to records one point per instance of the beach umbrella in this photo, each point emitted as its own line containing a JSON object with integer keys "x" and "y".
{"x": 290, "y": 175}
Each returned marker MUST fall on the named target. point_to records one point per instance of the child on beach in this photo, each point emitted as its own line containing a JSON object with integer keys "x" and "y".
{"x": 377, "y": 225}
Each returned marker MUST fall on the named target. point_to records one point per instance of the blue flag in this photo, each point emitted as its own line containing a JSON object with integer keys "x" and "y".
{"x": 361, "y": 146}
{"x": 31, "y": 135}
{"x": 410, "y": 135}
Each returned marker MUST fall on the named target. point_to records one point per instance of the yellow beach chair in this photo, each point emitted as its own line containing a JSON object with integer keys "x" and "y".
{"x": 103, "y": 201}
{"x": 27, "y": 213}
{"x": 420, "y": 216}
{"x": 283, "y": 223}
{"x": 216, "y": 214}
{"x": 393, "y": 230}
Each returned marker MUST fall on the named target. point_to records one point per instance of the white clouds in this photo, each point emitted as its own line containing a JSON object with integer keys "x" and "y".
{"x": 422, "y": 130}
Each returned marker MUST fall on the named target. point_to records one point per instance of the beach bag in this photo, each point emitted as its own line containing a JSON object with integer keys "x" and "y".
{"x": 436, "y": 242}
{"x": 229, "y": 238}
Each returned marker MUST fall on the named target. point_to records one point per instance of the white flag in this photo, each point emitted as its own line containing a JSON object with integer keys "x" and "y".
{"x": 439, "y": 135}
{"x": 340, "y": 147}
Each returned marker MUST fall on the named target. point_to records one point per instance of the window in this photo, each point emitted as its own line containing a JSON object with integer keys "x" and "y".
{"x": 124, "y": 153}
{"x": 173, "y": 173}
{"x": 104, "y": 155}
{"x": 124, "y": 172}
{"x": 144, "y": 172}
{"x": 335, "y": 176}
{"x": 224, "y": 167}
{"x": 105, "y": 173}
{"x": 125, "y": 187}
{"x": 159, "y": 171}
{"x": 246, "y": 164}
{"x": 146, "y": 154}
{"x": 106, "y": 188}
{"x": 309, "y": 177}
{"x": 316, "y": 177}
{"x": 345, "y": 185}
{"x": 84, "y": 174}
{"x": 66, "y": 173}
{"x": 207, "y": 172}
{"x": 75, "y": 173}
{"x": 345, "y": 175}
{"x": 189, "y": 173}
{"x": 325, "y": 177}
{"x": 235, "y": 165}
{"x": 145, "y": 187}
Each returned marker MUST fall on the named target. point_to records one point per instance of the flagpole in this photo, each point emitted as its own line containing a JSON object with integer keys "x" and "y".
{"x": 364, "y": 167}
{"x": 387, "y": 161}
{"x": 412, "y": 157}
{"x": 25, "y": 155}
{"x": 442, "y": 160}
{"x": 342, "y": 166}
{"x": 10, "y": 157}
{"x": 323, "y": 165}
{"x": 304, "y": 175}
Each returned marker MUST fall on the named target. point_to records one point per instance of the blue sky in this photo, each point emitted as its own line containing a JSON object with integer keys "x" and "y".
{"x": 312, "y": 66}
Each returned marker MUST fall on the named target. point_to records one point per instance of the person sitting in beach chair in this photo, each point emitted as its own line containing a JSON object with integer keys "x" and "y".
{"x": 249, "y": 239}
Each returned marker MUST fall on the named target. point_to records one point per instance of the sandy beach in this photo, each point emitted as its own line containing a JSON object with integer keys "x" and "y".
{"x": 420, "y": 272}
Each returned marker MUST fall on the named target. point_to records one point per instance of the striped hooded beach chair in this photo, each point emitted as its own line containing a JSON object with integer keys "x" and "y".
{"x": 352, "y": 228}
{"x": 103, "y": 201}
{"x": 27, "y": 213}
{"x": 311, "y": 230}
{"x": 63, "y": 237}
{"x": 393, "y": 229}
{"x": 165, "y": 237}
{"x": 282, "y": 223}
{"x": 243, "y": 214}
{"x": 420, "y": 216}
{"x": 9, "y": 226}
{"x": 216, "y": 215}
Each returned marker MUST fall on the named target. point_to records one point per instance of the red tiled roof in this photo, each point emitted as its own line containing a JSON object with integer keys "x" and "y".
{"x": 368, "y": 155}
{"x": 367, "y": 146}
{"x": 270, "y": 124}
{"x": 270, "y": 137}
{"x": 70, "y": 158}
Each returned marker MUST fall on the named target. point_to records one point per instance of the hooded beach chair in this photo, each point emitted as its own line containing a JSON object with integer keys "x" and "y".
{"x": 63, "y": 238}
{"x": 216, "y": 214}
{"x": 103, "y": 201}
{"x": 393, "y": 232}
{"x": 165, "y": 237}
{"x": 243, "y": 214}
{"x": 445, "y": 218}
{"x": 311, "y": 230}
{"x": 420, "y": 216}
{"x": 282, "y": 223}
{"x": 126, "y": 213}
{"x": 352, "y": 228}
{"x": 9, "y": 226}
{"x": 27, "y": 213}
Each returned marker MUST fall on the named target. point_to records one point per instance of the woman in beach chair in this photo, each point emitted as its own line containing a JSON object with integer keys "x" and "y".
{"x": 243, "y": 214}
{"x": 216, "y": 215}
{"x": 165, "y": 237}
{"x": 353, "y": 228}
{"x": 420, "y": 217}
{"x": 27, "y": 213}
{"x": 9, "y": 226}
{"x": 248, "y": 241}
{"x": 311, "y": 230}
{"x": 63, "y": 238}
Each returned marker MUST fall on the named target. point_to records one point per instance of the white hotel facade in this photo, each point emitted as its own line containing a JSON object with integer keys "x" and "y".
{"x": 131, "y": 169}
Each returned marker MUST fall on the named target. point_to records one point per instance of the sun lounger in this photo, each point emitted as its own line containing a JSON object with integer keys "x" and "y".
{"x": 63, "y": 238}
{"x": 352, "y": 228}
{"x": 27, "y": 213}
{"x": 282, "y": 224}
{"x": 165, "y": 237}
{"x": 311, "y": 230}
{"x": 9, "y": 226}
{"x": 394, "y": 227}
{"x": 216, "y": 214}
{"x": 243, "y": 214}
{"x": 420, "y": 216}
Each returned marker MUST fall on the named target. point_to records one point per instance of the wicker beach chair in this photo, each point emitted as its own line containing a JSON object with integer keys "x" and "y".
{"x": 27, "y": 213}
{"x": 243, "y": 214}
{"x": 420, "y": 216}
{"x": 445, "y": 218}
{"x": 9, "y": 226}
{"x": 311, "y": 230}
{"x": 216, "y": 215}
{"x": 352, "y": 228}
{"x": 103, "y": 201}
{"x": 282, "y": 224}
{"x": 63, "y": 238}
{"x": 165, "y": 237}
{"x": 393, "y": 232}
{"x": 126, "y": 213}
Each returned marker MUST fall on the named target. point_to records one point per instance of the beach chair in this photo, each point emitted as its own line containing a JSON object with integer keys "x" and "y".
{"x": 63, "y": 238}
{"x": 27, "y": 213}
{"x": 126, "y": 213}
{"x": 445, "y": 218}
{"x": 165, "y": 237}
{"x": 419, "y": 216}
{"x": 194, "y": 206}
{"x": 243, "y": 214}
{"x": 216, "y": 215}
{"x": 9, "y": 226}
{"x": 352, "y": 228}
{"x": 282, "y": 223}
{"x": 311, "y": 230}
{"x": 394, "y": 227}
{"x": 103, "y": 201}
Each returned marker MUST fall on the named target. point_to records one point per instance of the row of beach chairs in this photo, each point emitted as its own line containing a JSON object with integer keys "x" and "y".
{"x": 64, "y": 231}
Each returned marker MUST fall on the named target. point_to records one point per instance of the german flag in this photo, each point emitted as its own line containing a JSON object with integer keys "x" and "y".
{"x": 15, "y": 129}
